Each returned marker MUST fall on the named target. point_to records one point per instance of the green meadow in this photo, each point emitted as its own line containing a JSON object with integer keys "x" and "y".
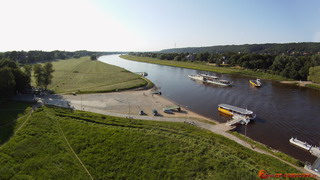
{"x": 206, "y": 67}
{"x": 87, "y": 76}
{"x": 119, "y": 148}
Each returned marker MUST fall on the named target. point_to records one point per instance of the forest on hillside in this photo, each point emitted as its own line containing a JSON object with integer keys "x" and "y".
{"x": 274, "y": 49}
{"x": 39, "y": 56}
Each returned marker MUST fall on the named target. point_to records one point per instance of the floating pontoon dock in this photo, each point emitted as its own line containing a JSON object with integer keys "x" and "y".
{"x": 314, "y": 150}
{"x": 238, "y": 119}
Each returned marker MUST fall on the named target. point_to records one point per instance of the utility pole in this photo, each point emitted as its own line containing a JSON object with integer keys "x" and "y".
{"x": 81, "y": 101}
{"x": 129, "y": 110}
{"x": 187, "y": 113}
{"x": 245, "y": 130}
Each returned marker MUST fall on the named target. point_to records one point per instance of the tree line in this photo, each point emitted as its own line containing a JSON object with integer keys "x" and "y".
{"x": 291, "y": 66}
{"x": 40, "y": 56}
{"x": 271, "y": 48}
{"x": 16, "y": 78}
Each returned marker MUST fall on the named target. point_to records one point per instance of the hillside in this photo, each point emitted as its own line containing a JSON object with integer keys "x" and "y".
{"x": 51, "y": 141}
{"x": 252, "y": 48}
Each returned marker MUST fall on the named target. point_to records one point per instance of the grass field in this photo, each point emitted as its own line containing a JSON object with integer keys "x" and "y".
{"x": 206, "y": 67}
{"x": 12, "y": 115}
{"x": 118, "y": 148}
{"x": 91, "y": 76}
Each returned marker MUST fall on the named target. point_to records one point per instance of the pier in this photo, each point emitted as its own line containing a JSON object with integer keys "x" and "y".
{"x": 314, "y": 150}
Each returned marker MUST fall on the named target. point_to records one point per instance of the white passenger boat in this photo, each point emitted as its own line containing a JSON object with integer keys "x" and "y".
{"x": 236, "y": 111}
{"x": 196, "y": 77}
{"x": 210, "y": 79}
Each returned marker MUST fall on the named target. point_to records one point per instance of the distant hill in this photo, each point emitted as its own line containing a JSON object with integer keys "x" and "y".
{"x": 305, "y": 47}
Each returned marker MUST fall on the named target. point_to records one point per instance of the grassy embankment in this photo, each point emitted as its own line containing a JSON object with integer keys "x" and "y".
{"x": 268, "y": 149}
{"x": 90, "y": 76}
{"x": 313, "y": 86}
{"x": 206, "y": 67}
{"x": 118, "y": 148}
{"x": 12, "y": 116}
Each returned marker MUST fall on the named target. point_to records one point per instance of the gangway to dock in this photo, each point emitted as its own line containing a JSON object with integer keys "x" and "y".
{"x": 238, "y": 119}
{"x": 315, "y": 151}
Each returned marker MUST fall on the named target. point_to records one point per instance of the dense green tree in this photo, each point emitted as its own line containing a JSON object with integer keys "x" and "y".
{"x": 28, "y": 69}
{"x": 48, "y": 70}
{"x": 21, "y": 78}
{"x": 43, "y": 74}
{"x": 93, "y": 57}
{"x": 314, "y": 74}
{"x": 8, "y": 63}
{"x": 38, "y": 74}
{"x": 7, "y": 82}
{"x": 178, "y": 58}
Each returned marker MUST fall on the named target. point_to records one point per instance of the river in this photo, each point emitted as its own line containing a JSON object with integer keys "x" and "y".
{"x": 282, "y": 110}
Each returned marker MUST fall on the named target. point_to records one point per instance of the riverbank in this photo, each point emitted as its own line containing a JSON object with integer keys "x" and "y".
{"x": 128, "y": 103}
{"x": 205, "y": 67}
{"x": 308, "y": 84}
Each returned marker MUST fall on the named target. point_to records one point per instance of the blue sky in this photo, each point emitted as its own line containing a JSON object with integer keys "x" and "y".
{"x": 147, "y": 25}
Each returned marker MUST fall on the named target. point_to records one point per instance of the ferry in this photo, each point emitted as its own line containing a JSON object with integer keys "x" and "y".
{"x": 210, "y": 79}
{"x": 233, "y": 110}
{"x": 256, "y": 83}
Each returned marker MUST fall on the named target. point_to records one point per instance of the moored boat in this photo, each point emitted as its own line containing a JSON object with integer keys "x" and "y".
{"x": 196, "y": 77}
{"x": 256, "y": 83}
{"x": 233, "y": 110}
{"x": 210, "y": 79}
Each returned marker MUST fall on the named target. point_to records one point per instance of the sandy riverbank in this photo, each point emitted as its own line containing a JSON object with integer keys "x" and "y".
{"x": 299, "y": 83}
{"x": 130, "y": 102}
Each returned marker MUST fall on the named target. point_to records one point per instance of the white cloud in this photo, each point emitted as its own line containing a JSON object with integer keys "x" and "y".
{"x": 61, "y": 24}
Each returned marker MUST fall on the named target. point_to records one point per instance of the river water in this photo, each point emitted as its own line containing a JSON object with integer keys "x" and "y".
{"x": 282, "y": 110}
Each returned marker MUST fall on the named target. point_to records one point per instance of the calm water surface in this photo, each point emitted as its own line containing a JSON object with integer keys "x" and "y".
{"x": 282, "y": 110}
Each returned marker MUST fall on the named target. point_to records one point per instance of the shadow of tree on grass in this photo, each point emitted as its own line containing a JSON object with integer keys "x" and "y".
{"x": 10, "y": 111}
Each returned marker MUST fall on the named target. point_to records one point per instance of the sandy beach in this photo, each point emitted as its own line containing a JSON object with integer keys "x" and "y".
{"x": 130, "y": 103}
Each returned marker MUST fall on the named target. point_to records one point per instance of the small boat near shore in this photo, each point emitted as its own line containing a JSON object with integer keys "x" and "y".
{"x": 230, "y": 110}
{"x": 256, "y": 83}
{"x": 210, "y": 79}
